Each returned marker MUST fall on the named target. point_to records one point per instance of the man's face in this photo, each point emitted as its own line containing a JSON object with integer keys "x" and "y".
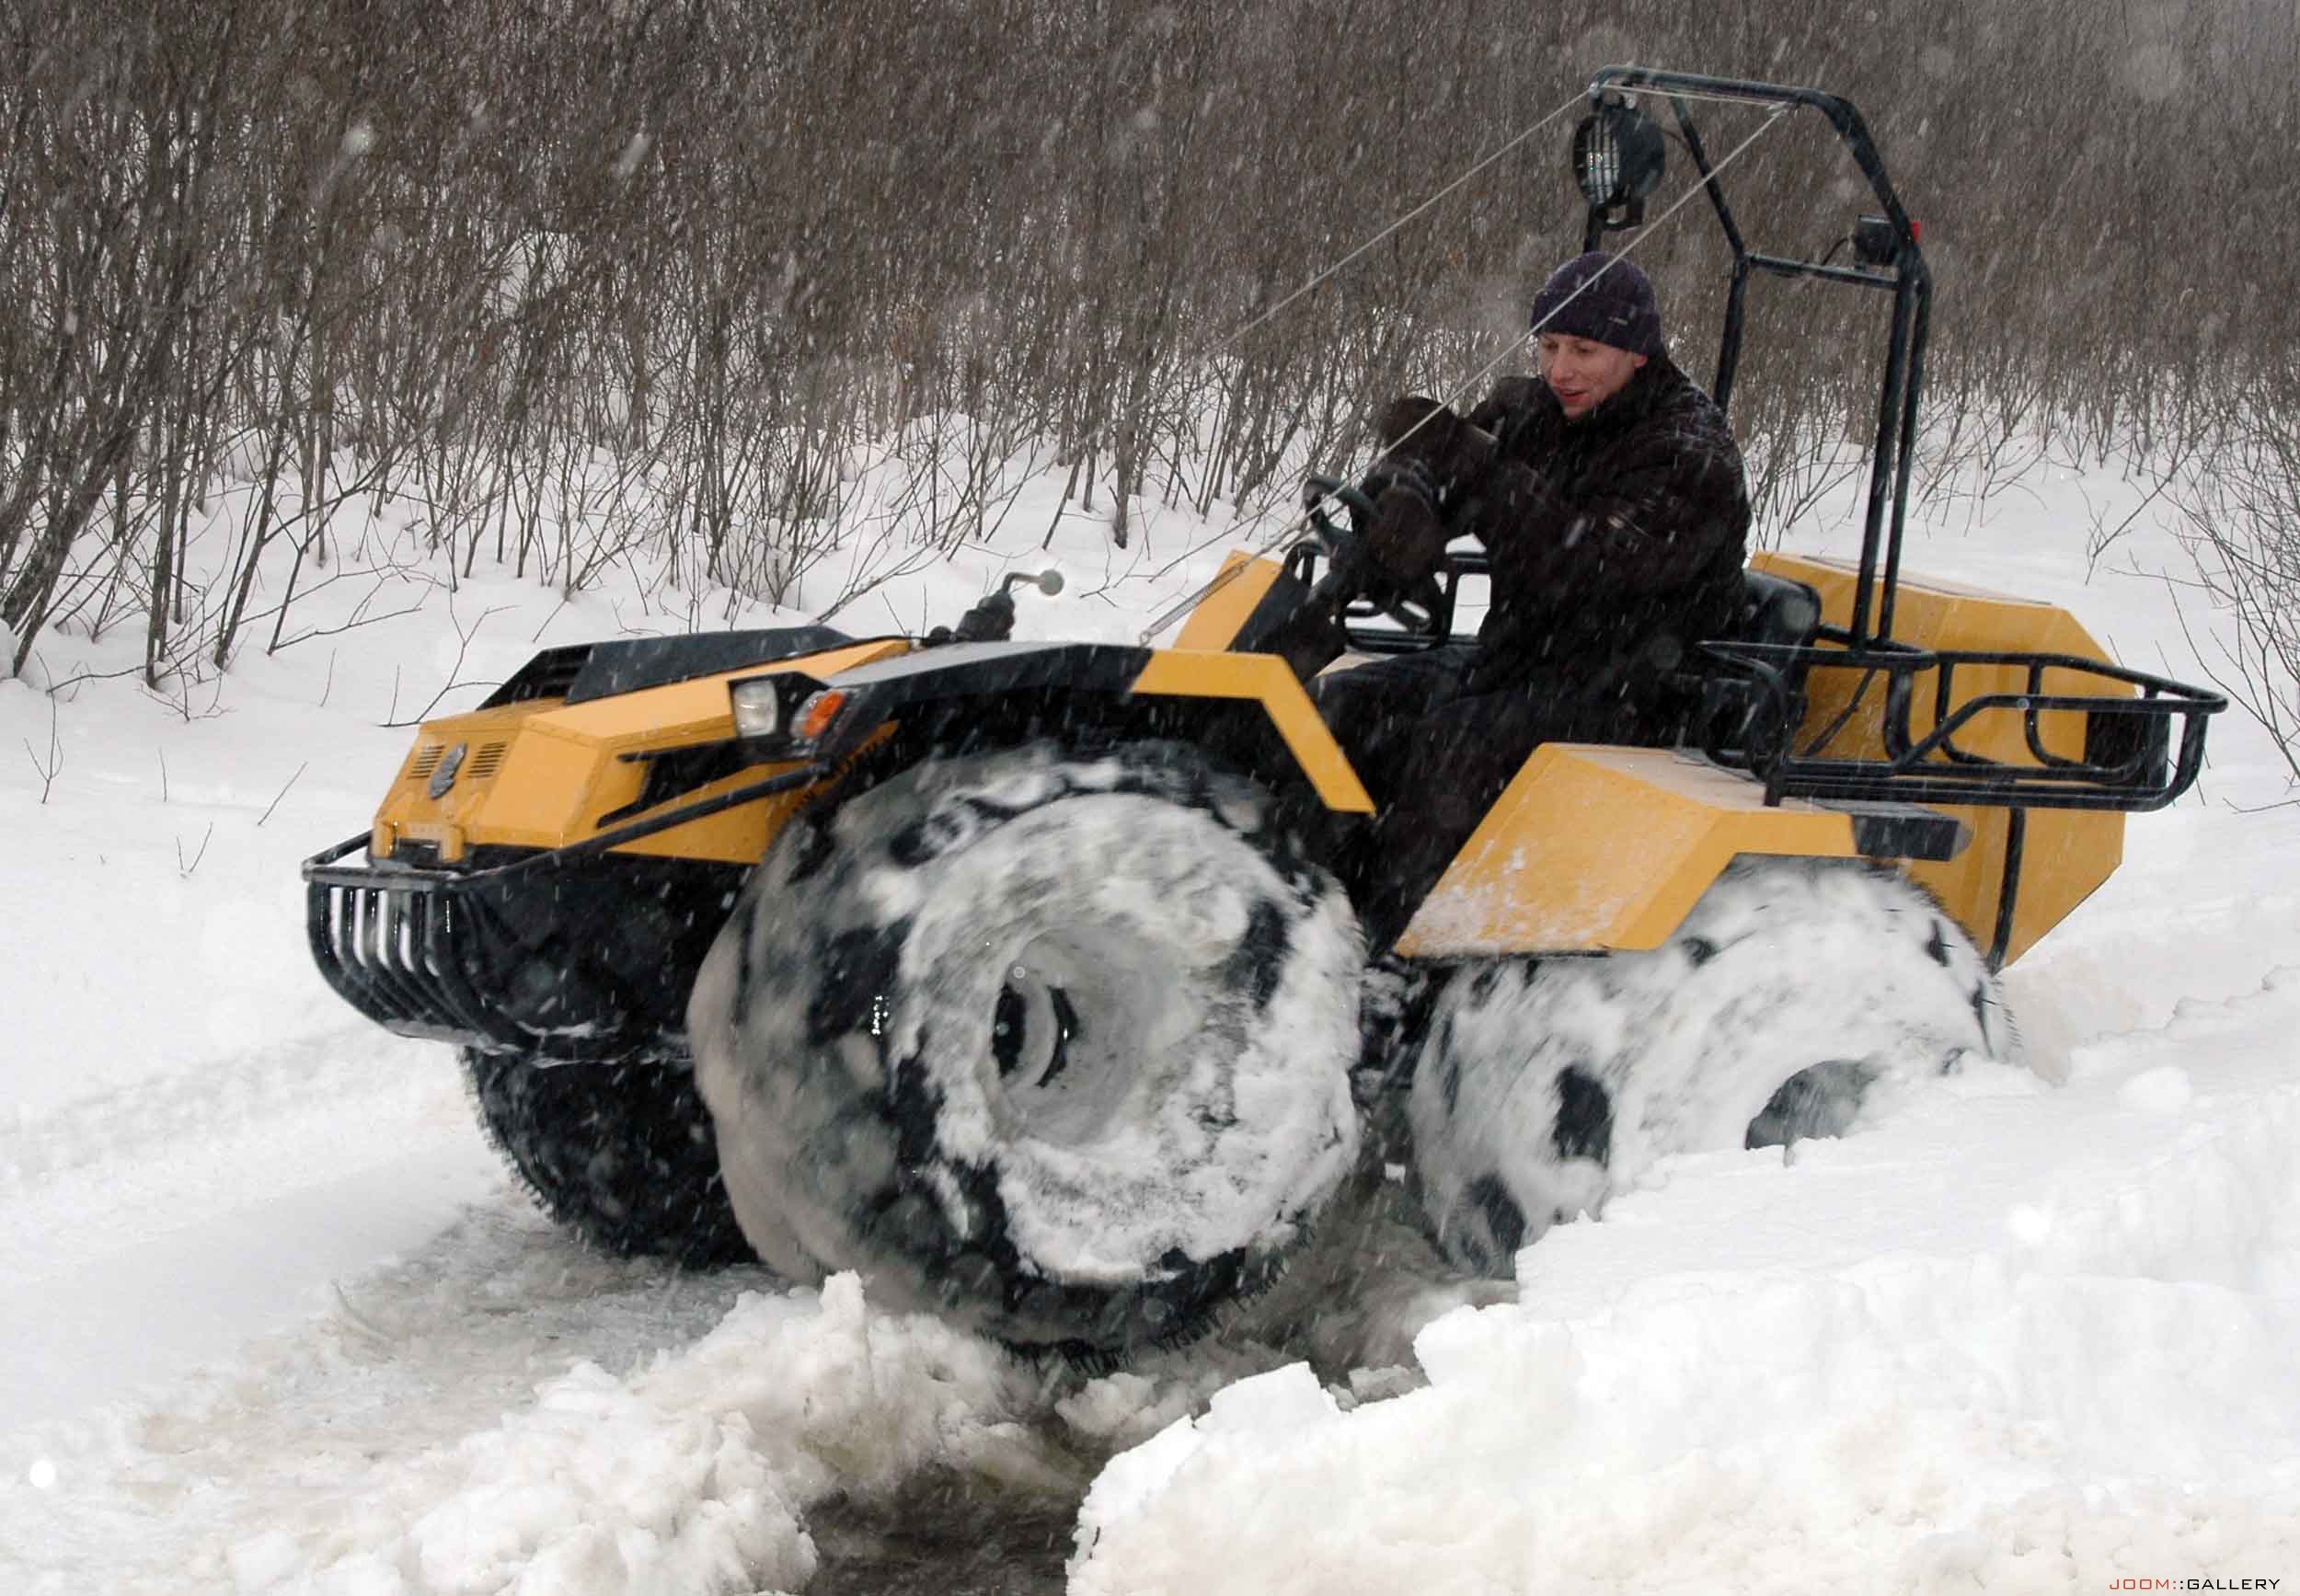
{"x": 1584, "y": 374}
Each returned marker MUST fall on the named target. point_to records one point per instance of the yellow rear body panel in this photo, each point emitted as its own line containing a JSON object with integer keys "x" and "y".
{"x": 1596, "y": 849}
{"x": 1939, "y": 616}
{"x": 2067, "y": 853}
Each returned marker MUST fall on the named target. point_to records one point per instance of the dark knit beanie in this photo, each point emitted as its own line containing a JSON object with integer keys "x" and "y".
{"x": 1603, "y": 298}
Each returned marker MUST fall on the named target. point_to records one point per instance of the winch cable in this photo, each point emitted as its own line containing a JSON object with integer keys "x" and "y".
{"x": 1316, "y": 281}
{"x": 1299, "y": 524}
{"x": 1315, "y": 284}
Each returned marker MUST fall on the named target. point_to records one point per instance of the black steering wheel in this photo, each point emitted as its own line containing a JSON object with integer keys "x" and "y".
{"x": 1352, "y": 573}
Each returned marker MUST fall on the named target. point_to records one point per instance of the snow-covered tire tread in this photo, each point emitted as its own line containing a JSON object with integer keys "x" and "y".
{"x": 621, "y": 1153}
{"x": 848, "y": 1028}
{"x": 1542, "y": 1086}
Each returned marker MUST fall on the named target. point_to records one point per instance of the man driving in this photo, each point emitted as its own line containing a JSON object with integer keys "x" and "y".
{"x": 1608, "y": 493}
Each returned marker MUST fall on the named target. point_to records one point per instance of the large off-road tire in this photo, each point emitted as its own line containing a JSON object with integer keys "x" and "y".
{"x": 620, "y": 1153}
{"x": 1056, "y": 1045}
{"x": 1793, "y": 991}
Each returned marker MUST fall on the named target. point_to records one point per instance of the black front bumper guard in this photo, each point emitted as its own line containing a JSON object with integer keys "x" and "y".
{"x": 527, "y": 956}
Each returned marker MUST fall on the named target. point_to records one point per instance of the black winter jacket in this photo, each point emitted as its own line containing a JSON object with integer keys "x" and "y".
{"x": 1617, "y": 541}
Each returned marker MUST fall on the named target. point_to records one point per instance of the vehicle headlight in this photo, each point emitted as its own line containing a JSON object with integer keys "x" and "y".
{"x": 758, "y": 708}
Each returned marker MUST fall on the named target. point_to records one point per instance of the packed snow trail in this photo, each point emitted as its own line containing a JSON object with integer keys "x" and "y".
{"x": 149, "y": 1229}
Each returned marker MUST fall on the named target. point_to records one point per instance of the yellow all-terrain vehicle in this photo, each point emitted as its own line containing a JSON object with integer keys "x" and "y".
{"x": 1014, "y": 974}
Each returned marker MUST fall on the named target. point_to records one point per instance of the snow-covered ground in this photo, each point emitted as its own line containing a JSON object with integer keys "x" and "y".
{"x": 273, "y": 1319}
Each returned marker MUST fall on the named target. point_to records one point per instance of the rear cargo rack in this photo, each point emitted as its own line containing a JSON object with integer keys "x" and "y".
{"x": 2141, "y": 751}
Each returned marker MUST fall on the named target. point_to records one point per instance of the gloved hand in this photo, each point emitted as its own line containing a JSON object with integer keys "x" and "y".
{"x": 1407, "y": 538}
{"x": 1410, "y": 476}
{"x": 1418, "y": 430}
{"x": 1417, "y": 426}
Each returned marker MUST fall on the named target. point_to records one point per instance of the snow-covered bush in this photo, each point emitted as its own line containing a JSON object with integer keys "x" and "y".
{"x": 2239, "y": 520}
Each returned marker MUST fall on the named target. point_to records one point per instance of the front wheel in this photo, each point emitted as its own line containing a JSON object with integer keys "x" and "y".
{"x": 619, "y": 1153}
{"x": 1056, "y": 1045}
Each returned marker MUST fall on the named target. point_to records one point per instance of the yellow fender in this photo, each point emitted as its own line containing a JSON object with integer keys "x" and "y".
{"x": 1597, "y": 849}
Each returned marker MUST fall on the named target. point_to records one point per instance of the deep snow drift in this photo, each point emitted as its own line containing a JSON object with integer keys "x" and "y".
{"x": 271, "y": 1319}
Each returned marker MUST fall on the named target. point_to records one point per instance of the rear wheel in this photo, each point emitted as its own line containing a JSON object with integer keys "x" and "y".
{"x": 1793, "y": 989}
{"x": 620, "y": 1153}
{"x": 1057, "y": 1046}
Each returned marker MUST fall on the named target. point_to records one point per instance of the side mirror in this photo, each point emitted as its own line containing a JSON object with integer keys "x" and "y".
{"x": 992, "y": 618}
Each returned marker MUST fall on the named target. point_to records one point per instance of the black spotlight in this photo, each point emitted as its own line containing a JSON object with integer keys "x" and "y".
{"x": 1617, "y": 160}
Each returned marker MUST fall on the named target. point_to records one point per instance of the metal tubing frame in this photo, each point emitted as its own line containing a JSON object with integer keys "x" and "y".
{"x": 1932, "y": 769}
{"x": 2009, "y": 886}
{"x": 1892, "y": 457}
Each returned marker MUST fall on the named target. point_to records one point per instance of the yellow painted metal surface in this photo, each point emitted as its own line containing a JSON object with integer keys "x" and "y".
{"x": 1215, "y": 622}
{"x": 1597, "y": 849}
{"x": 1589, "y": 849}
{"x": 2068, "y": 853}
{"x": 556, "y": 769}
{"x": 1938, "y": 615}
{"x": 1192, "y": 673}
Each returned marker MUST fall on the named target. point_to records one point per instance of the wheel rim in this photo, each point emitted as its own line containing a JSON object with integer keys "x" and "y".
{"x": 1070, "y": 1013}
{"x": 1822, "y": 1100}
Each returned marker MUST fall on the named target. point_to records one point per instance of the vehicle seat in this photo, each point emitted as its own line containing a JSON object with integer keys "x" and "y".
{"x": 1779, "y": 609}
{"x": 1724, "y": 718}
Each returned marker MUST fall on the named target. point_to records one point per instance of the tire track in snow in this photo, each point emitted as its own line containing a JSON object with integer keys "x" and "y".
{"x": 143, "y": 1231}
{"x": 294, "y": 1426}
{"x": 242, "y": 1303}
{"x": 500, "y": 1400}
{"x": 208, "y": 1101}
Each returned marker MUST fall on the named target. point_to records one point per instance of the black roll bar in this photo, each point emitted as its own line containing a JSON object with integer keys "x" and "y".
{"x": 1910, "y": 280}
